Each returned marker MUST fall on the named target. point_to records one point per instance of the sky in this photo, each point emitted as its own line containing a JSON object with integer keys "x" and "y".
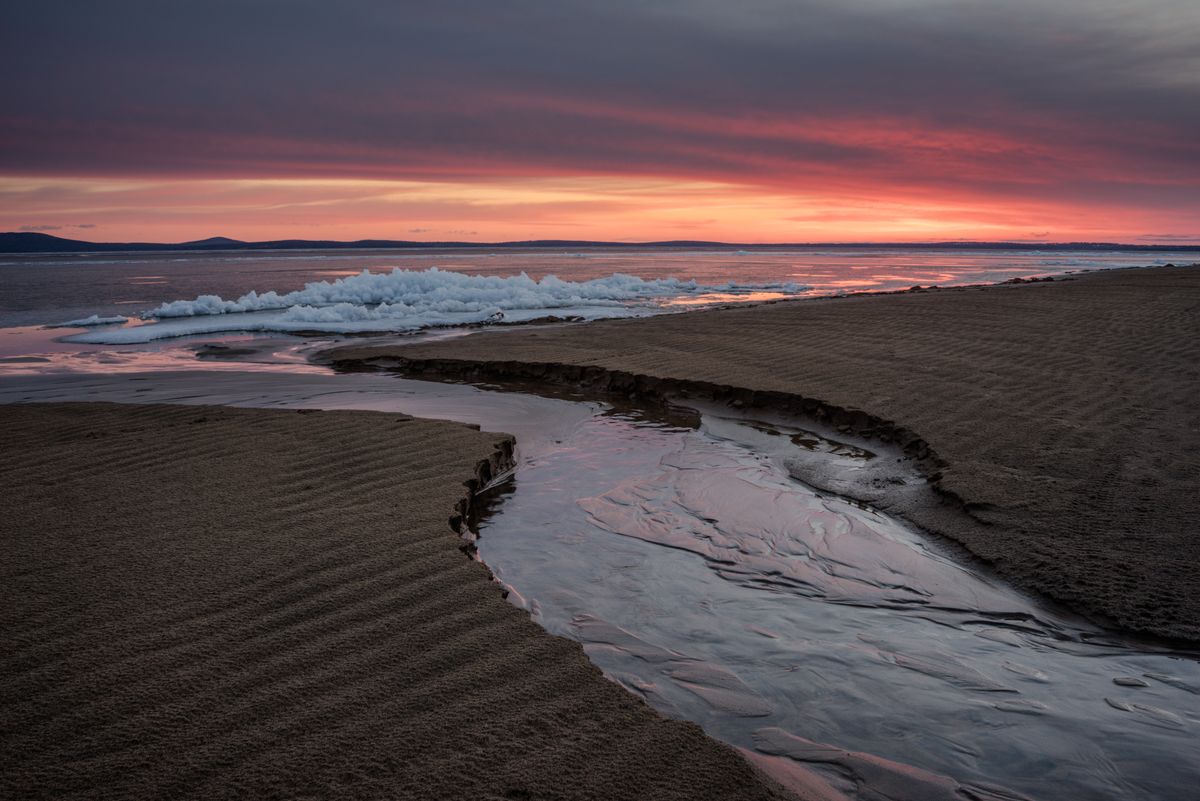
{"x": 631, "y": 120}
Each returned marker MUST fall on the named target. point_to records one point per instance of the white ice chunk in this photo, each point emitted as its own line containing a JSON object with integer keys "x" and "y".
{"x": 439, "y": 290}
{"x": 409, "y": 300}
{"x": 86, "y": 322}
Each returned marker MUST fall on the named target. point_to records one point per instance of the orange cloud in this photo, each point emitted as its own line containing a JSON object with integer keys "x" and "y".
{"x": 579, "y": 207}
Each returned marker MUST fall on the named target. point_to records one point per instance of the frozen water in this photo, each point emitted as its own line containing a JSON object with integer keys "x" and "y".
{"x": 409, "y": 300}
{"x": 94, "y": 319}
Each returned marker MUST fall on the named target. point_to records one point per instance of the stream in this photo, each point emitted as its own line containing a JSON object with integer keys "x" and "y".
{"x": 677, "y": 546}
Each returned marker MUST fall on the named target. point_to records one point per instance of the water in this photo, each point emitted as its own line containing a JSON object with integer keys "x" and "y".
{"x": 699, "y": 574}
{"x": 46, "y": 289}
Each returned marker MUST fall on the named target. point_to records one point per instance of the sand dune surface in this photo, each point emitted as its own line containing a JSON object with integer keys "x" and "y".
{"x": 208, "y": 602}
{"x": 1067, "y": 413}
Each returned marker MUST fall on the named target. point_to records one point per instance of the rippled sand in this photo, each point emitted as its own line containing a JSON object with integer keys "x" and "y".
{"x": 209, "y": 602}
{"x": 1066, "y": 412}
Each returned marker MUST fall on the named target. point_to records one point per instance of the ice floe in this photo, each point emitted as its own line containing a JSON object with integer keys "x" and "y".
{"x": 87, "y": 322}
{"x": 408, "y": 300}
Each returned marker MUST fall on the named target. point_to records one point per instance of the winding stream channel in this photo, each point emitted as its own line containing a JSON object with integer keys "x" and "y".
{"x": 677, "y": 546}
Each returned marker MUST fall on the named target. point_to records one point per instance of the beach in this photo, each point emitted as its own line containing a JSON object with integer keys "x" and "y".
{"x": 213, "y": 602}
{"x": 209, "y": 601}
{"x": 1057, "y": 419}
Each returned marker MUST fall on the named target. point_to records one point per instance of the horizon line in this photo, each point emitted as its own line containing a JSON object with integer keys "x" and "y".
{"x": 216, "y": 243}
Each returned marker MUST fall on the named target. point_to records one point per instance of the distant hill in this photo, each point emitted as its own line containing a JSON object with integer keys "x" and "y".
{"x": 26, "y": 242}
{"x": 21, "y": 242}
{"x": 215, "y": 242}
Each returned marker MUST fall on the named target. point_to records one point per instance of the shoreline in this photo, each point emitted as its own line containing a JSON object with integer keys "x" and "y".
{"x": 937, "y": 513}
{"x": 205, "y": 601}
{"x": 555, "y": 316}
{"x": 606, "y": 355}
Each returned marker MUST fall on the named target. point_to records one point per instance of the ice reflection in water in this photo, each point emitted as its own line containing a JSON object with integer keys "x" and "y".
{"x": 699, "y": 575}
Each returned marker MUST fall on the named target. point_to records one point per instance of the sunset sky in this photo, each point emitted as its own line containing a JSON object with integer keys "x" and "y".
{"x": 761, "y": 120}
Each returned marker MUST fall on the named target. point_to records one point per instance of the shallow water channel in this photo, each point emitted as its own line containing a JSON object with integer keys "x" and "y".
{"x": 790, "y": 622}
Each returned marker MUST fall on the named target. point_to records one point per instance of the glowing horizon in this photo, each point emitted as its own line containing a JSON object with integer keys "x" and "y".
{"x": 640, "y": 210}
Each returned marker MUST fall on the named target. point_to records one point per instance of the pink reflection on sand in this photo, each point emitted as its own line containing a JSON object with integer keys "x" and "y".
{"x": 917, "y": 276}
{"x": 28, "y": 350}
{"x": 113, "y": 361}
{"x": 727, "y": 297}
{"x": 851, "y": 282}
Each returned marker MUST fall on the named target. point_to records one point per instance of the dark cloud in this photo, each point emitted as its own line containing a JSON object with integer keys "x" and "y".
{"x": 54, "y": 227}
{"x": 1057, "y": 99}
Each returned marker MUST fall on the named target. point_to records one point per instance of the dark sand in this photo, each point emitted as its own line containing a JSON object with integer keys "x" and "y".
{"x": 1066, "y": 414}
{"x": 204, "y": 602}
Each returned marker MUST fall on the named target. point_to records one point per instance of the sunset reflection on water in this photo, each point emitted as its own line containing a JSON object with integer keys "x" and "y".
{"x": 710, "y": 298}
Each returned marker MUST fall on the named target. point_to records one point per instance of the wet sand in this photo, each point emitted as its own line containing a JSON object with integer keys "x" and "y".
{"x": 1058, "y": 420}
{"x": 210, "y": 602}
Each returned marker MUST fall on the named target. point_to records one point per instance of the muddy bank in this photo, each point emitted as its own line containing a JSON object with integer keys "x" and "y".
{"x": 940, "y": 510}
{"x": 1060, "y": 415}
{"x": 210, "y": 602}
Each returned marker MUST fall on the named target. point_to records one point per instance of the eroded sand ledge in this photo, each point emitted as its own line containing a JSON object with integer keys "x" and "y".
{"x": 214, "y": 602}
{"x": 1062, "y": 415}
